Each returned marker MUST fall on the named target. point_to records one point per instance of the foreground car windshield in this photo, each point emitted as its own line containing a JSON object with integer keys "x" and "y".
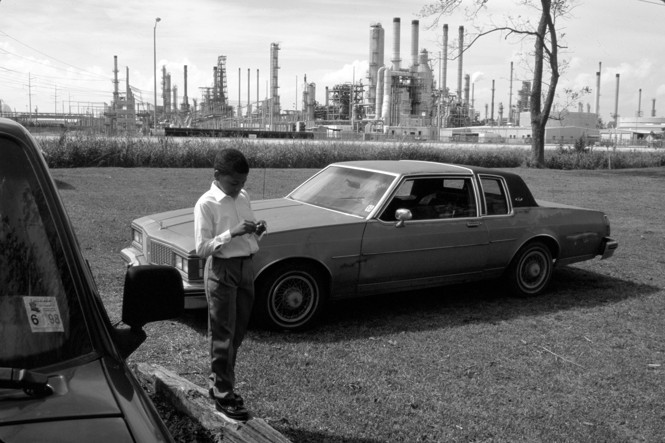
{"x": 349, "y": 190}
{"x": 41, "y": 321}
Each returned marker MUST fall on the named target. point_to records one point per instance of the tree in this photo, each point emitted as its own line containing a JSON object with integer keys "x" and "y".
{"x": 545, "y": 55}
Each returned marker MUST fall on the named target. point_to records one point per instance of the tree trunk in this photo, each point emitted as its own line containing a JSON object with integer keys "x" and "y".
{"x": 538, "y": 143}
{"x": 539, "y": 113}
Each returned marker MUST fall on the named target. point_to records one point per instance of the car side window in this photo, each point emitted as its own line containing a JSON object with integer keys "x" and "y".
{"x": 403, "y": 199}
{"x": 434, "y": 198}
{"x": 40, "y": 319}
{"x": 496, "y": 200}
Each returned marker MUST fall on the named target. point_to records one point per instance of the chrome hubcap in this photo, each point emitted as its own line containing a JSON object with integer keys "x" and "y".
{"x": 293, "y": 299}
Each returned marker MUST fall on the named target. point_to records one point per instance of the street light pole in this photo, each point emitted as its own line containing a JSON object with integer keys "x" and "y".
{"x": 154, "y": 45}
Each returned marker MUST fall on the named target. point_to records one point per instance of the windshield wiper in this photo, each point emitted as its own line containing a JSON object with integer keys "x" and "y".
{"x": 33, "y": 383}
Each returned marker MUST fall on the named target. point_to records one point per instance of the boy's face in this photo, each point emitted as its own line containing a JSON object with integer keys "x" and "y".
{"x": 232, "y": 183}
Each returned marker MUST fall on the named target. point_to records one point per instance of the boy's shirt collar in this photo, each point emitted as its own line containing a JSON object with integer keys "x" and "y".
{"x": 219, "y": 194}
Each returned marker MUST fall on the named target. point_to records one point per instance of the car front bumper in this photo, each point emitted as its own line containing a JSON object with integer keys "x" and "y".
{"x": 195, "y": 297}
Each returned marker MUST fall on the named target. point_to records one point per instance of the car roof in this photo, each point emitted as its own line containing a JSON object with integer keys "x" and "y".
{"x": 11, "y": 127}
{"x": 416, "y": 167}
{"x": 408, "y": 167}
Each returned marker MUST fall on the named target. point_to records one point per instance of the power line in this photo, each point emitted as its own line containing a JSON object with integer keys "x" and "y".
{"x": 49, "y": 56}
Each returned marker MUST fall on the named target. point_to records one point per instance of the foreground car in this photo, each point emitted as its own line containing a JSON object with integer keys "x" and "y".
{"x": 62, "y": 371}
{"x": 367, "y": 227}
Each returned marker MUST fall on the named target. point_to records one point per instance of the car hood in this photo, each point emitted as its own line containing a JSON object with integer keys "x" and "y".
{"x": 281, "y": 215}
{"x": 83, "y": 405}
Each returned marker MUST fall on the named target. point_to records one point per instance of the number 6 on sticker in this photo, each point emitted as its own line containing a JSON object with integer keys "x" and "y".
{"x": 43, "y": 314}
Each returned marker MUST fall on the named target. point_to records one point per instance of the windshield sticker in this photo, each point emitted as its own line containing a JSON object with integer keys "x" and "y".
{"x": 43, "y": 314}
{"x": 369, "y": 208}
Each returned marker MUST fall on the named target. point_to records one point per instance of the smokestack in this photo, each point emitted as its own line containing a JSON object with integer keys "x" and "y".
{"x": 598, "y": 89}
{"x": 215, "y": 84}
{"x": 445, "y": 58}
{"x": 467, "y": 86}
{"x": 376, "y": 41}
{"x": 185, "y": 98}
{"x": 378, "y": 94}
{"x": 639, "y": 103}
{"x": 116, "y": 94}
{"x": 274, "y": 85}
{"x": 653, "y": 107}
{"x": 174, "y": 91}
{"x": 239, "y": 113}
{"x": 460, "y": 64}
{"x": 414, "y": 45}
{"x": 249, "y": 78}
{"x": 492, "y": 110}
{"x": 396, "y": 29}
{"x": 616, "y": 103}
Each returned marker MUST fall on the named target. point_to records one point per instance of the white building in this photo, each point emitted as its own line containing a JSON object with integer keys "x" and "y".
{"x": 635, "y": 130}
{"x": 562, "y": 128}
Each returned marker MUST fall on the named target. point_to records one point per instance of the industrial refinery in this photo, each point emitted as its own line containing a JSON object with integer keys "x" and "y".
{"x": 399, "y": 97}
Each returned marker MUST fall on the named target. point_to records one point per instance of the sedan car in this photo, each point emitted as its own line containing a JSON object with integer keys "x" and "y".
{"x": 63, "y": 376}
{"x": 369, "y": 227}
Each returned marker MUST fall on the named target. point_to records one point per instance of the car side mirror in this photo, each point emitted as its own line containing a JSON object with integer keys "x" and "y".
{"x": 152, "y": 293}
{"x": 402, "y": 215}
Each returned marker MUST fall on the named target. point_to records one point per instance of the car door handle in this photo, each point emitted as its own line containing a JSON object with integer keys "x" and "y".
{"x": 473, "y": 224}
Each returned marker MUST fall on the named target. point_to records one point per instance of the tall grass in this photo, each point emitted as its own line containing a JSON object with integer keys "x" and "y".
{"x": 84, "y": 150}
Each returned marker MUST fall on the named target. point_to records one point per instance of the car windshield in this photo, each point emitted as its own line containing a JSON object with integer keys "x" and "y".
{"x": 41, "y": 320}
{"x": 345, "y": 189}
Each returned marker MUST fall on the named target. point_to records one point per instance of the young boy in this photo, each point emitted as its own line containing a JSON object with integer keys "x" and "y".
{"x": 226, "y": 235}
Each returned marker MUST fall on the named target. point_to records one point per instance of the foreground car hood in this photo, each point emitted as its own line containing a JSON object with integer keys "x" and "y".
{"x": 84, "y": 407}
{"x": 177, "y": 227}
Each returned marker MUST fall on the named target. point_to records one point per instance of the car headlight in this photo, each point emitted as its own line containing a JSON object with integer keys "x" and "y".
{"x": 191, "y": 267}
{"x": 137, "y": 236}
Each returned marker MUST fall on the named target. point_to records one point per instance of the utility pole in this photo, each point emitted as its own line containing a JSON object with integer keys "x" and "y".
{"x": 510, "y": 97}
{"x": 29, "y": 97}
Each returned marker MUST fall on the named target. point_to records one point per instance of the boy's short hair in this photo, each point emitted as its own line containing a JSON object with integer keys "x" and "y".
{"x": 229, "y": 161}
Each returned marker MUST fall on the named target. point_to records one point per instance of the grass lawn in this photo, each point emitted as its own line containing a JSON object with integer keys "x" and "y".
{"x": 583, "y": 362}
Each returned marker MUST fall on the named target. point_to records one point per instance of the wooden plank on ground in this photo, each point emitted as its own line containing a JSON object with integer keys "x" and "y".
{"x": 193, "y": 400}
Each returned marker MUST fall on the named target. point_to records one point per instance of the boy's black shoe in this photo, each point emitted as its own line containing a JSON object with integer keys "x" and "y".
{"x": 239, "y": 400}
{"x": 232, "y": 409}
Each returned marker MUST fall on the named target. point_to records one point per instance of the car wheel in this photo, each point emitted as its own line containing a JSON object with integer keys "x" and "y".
{"x": 531, "y": 269}
{"x": 290, "y": 297}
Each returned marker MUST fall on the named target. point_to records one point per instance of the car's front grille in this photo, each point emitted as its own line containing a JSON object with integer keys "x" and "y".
{"x": 160, "y": 254}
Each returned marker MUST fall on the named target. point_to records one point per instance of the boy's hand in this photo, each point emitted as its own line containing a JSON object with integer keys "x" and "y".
{"x": 261, "y": 227}
{"x": 242, "y": 228}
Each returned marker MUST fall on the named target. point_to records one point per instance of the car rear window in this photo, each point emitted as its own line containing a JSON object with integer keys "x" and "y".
{"x": 41, "y": 320}
{"x": 496, "y": 201}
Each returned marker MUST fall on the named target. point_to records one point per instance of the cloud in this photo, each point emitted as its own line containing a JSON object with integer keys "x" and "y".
{"x": 357, "y": 69}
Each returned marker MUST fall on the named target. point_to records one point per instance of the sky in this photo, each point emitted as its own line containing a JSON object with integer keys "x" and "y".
{"x": 58, "y": 55}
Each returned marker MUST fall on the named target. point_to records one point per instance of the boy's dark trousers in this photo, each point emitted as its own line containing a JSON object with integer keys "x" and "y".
{"x": 229, "y": 287}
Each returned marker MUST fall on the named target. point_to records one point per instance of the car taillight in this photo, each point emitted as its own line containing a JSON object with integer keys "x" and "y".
{"x": 608, "y": 231}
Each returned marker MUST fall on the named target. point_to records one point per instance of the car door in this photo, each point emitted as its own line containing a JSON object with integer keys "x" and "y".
{"x": 445, "y": 241}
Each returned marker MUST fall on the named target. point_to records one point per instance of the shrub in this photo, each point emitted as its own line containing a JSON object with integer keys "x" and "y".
{"x": 74, "y": 150}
